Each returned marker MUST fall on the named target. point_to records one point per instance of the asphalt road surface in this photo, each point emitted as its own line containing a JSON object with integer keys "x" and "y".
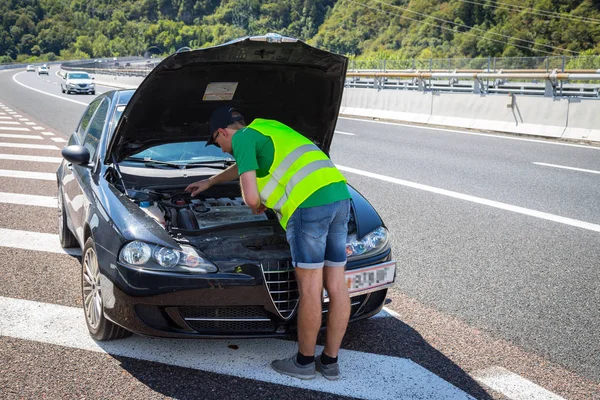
{"x": 497, "y": 294}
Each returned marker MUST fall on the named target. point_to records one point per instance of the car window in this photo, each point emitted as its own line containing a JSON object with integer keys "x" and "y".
{"x": 94, "y": 131}
{"x": 79, "y": 76}
{"x": 85, "y": 120}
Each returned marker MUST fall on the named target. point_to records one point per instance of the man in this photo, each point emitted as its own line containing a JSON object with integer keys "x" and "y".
{"x": 281, "y": 169}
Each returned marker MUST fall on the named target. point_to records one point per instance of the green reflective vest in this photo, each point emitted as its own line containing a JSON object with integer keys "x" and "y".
{"x": 299, "y": 169}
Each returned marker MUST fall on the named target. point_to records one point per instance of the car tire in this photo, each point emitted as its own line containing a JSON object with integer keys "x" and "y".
{"x": 67, "y": 239}
{"x": 100, "y": 328}
{"x": 62, "y": 90}
{"x": 93, "y": 93}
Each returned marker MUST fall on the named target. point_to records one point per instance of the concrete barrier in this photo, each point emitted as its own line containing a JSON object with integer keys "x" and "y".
{"x": 583, "y": 120}
{"x": 402, "y": 105}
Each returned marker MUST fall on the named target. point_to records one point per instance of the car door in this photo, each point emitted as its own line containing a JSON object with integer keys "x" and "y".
{"x": 75, "y": 176}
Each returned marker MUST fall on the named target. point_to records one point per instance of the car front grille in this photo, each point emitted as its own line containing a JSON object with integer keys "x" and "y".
{"x": 82, "y": 85}
{"x": 281, "y": 282}
{"x": 227, "y": 320}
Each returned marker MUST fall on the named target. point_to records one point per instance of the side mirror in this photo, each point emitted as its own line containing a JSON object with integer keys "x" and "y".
{"x": 77, "y": 155}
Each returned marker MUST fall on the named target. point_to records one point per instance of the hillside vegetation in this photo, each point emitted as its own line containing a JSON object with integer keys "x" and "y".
{"x": 389, "y": 29}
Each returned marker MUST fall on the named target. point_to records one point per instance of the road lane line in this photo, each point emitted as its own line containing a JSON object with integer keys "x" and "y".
{"x": 346, "y": 133}
{"x": 387, "y": 378}
{"x": 470, "y": 133}
{"x": 564, "y": 167}
{"x": 37, "y": 241}
{"x": 14, "y": 128}
{"x": 47, "y": 94}
{"x": 14, "y": 136}
{"x": 514, "y": 386}
{"x": 30, "y": 146}
{"x": 45, "y": 176}
{"x": 28, "y": 200}
{"x": 18, "y": 157}
{"x": 478, "y": 200}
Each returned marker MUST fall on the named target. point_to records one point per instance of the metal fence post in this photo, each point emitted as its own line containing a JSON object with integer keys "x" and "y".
{"x": 547, "y": 64}
{"x": 413, "y": 64}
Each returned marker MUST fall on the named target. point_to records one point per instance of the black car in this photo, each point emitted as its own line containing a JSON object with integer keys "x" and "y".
{"x": 157, "y": 261}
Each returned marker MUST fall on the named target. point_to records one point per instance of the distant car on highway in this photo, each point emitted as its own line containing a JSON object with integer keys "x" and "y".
{"x": 42, "y": 69}
{"x": 77, "y": 82}
{"x": 30, "y": 68}
{"x": 159, "y": 262}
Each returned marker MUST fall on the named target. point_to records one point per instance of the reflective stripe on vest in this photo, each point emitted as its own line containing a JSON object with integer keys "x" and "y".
{"x": 296, "y": 158}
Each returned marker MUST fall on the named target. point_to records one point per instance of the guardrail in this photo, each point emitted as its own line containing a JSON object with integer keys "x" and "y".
{"x": 552, "y": 84}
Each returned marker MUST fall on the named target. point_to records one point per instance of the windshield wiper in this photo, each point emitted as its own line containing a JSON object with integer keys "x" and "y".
{"x": 155, "y": 163}
{"x": 209, "y": 163}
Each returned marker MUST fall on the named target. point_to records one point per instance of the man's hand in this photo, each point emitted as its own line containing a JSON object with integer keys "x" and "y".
{"x": 261, "y": 209}
{"x": 198, "y": 187}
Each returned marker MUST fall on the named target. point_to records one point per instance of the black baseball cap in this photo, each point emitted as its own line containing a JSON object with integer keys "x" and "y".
{"x": 222, "y": 117}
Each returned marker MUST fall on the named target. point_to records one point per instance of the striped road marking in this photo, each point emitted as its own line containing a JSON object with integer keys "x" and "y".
{"x": 36, "y": 241}
{"x": 30, "y": 146}
{"x": 10, "y": 122}
{"x": 14, "y": 128}
{"x": 38, "y": 128}
{"x": 19, "y": 157}
{"x": 13, "y": 136}
{"x": 346, "y": 133}
{"x": 28, "y": 200}
{"x": 5, "y": 117}
{"x": 513, "y": 386}
{"x": 59, "y": 140}
{"x": 47, "y": 133}
{"x": 388, "y": 377}
{"x": 45, "y": 176}
{"x": 491, "y": 203}
{"x": 591, "y": 171}
{"x": 29, "y": 123}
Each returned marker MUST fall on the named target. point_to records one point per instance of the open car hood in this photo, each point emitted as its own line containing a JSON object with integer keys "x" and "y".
{"x": 269, "y": 76}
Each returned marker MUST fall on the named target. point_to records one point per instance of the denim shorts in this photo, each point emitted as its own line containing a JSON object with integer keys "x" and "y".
{"x": 317, "y": 235}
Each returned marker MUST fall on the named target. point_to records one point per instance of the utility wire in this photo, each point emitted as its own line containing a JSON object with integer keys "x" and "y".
{"x": 476, "y": 29}
{"x": 443, "y": 27}
{"x": 507, "y": 6}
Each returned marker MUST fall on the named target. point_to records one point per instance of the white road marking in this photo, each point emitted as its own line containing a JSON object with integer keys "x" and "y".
{"x": 58, "y": 139}
{"x": 564, "y": 167}
{"x": 478, "y": 200}
{"x": 30, "y": 146}
{"x": 27, "y": 240}
{"x": 18, "y": 115}
{"x": 3, "y": 122}
{"x": 19, "y": 157}
{"x": 48, "y": 133}
{"x": 38, "y": 128}
{"x": 6, "y": 117}
{"x": 13, "y": 136}
{"x": 346, "y": 133}
{"x": 47, "y": 94}
{"x": 15, "y": 128}
{"x": 65, "y": 326}
{"x": 28, "y": 200}
{"x": 23, "y": 119}
{"x": 512, "y": 385}
{"x": 30, "y": 123}
{"x": 471, "y": 133}
{"x": 45, "y": 176}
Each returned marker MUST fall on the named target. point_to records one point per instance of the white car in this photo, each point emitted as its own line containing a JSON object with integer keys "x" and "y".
{"x": 30, "y": 68}
{"x": 42, "y": 70}
{"x": 78, "y": 82}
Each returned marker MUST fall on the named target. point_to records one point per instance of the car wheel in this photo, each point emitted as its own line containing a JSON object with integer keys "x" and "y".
{"x": 93, "y": 92}
{"x": 99, "y": 327}
{"x": 67, "y": 239}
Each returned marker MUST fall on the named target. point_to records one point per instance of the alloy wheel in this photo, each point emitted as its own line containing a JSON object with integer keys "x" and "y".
{"x": 92, "y": 295}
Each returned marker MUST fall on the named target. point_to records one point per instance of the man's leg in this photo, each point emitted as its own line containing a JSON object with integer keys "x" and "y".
{"x": 310, "y": 286}
{"x": 339, "y": 309}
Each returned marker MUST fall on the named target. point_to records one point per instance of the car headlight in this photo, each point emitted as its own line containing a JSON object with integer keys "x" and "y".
{"x": 72, "y": 85}
{"x": 91, "y": 85}
{"x": 373, "y": 243}
{"x": 154, "y": 257}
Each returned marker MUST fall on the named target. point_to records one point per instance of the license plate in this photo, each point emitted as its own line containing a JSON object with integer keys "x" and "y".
{"x": 364, "y": 279}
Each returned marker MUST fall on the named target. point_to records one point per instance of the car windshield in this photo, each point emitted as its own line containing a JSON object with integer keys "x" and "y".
{"x": 79, "y": 76}
{"x": 182, "y": 154}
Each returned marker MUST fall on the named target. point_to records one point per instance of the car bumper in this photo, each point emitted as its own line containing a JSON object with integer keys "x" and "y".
{"x": 216, "y": 305}
{"x": 81, "y": 90}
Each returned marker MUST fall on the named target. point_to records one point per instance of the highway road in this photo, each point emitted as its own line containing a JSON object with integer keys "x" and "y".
{"x": 497, "y": 293}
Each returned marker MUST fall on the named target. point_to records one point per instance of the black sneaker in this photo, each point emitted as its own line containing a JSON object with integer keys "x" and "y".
{"x": 290, "y": 367}
{"x": 330, "y": 371}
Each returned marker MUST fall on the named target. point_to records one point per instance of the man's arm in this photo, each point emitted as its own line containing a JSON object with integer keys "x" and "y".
{"x": 250, "y": 191}
{"x": 227, "y": 175}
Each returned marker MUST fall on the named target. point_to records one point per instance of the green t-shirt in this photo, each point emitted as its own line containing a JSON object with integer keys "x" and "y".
{"x": 254, "y": 151}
